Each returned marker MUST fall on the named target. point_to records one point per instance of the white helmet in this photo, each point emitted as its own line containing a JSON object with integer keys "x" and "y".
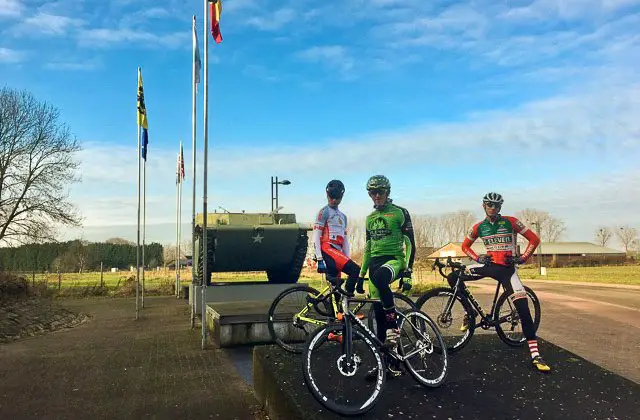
{"x": 493, "y": 197}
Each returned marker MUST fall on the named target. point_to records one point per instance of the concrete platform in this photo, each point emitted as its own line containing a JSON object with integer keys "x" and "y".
{"x": 237, "y": 292}
{"x": 245, "y": 323}
{"x": 487, "y": 380}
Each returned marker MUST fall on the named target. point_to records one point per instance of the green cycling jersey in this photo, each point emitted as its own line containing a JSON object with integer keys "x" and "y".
{"x": 389, "y": 233}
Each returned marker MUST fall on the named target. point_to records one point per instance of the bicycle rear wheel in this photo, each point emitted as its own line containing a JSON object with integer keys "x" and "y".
{"x": 291, "y": 318}
{"x": 507, "y": 319}
{"x": 402, "y": 302}
{"x": 338, "y": 383}
{"x": 451, "y": 323}
{"x": 426, "y": 351}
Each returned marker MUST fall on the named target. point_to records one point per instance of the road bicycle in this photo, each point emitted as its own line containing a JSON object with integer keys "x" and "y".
{"x": 455, "y": 310}
{"x": 297, "y": 311}
{"x": 345, "y": 364}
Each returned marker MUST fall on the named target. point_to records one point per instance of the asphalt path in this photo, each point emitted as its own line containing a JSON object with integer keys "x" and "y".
{"x": 600, "y": 323}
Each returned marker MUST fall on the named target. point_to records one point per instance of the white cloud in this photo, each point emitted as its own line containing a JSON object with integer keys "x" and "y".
{"x": 105, "y": 37}
{"x": 8, "y": 55}
{"x": 47, "y": 24}
{"x": 11, "y": 8}
{"x": 77, "y": 65}
{"x": 333, "y": 56}
{"x": 273, "y": 21}
{"x": 594, "y": 124}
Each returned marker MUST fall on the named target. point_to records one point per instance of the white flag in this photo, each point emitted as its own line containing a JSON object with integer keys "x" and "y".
{"x": 196, "y": 52}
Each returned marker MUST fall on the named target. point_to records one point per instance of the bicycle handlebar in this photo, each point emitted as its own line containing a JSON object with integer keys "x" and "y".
{"x": 449, "y": 263}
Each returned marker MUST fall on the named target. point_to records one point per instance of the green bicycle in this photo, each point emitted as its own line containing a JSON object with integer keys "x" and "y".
{"x": 296, "y": 312}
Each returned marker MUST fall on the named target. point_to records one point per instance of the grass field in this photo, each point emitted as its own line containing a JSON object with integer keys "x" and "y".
{"x": 162, "y": 282}
{"x": 624, "y": 274}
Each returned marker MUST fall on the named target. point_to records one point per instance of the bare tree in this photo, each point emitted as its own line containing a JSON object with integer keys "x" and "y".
{"x": 456, "y": 225}
{"x": 36, "y": 164}
{"x": 425, "y": 228}
{"x": 548, "y": 228}
{"x": 603, "y": 235}
{"x": 356, "y": 235}
{"x": 626, "y": 235}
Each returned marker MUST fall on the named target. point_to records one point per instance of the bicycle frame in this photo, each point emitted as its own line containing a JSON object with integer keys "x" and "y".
{"x": 486, "y": 320}
{"x": 325, "y": 291}
{"x": 349, "y": 318}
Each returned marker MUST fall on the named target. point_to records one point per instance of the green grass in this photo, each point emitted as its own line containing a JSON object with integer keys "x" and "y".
{"x": 624, "y": 274}
{"x": 424, "y": 279}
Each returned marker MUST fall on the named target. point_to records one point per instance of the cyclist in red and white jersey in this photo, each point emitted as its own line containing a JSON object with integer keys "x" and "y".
{"x": 499, "y": 236}
{"x": 330, "y": 237}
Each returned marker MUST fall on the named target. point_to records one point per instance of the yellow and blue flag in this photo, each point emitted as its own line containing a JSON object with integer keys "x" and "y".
{"x": 142, "y": 116}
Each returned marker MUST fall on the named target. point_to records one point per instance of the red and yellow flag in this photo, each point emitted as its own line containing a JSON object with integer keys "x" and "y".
{"x": 215, "y": 7}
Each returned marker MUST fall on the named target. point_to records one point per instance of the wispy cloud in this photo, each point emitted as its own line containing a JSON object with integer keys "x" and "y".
{"x": 8, "y": 55}
{"x": 333, "y": 56}
{"x": 134, "y": 38}
{"x": 74, "y": 65}
{"x": 47, "y": 24}
{"x": 273, "y": 21}
{"x": 11, "y": 8}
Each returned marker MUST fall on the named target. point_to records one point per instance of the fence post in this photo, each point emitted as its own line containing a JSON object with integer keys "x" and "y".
{"x": 101, "y": 277}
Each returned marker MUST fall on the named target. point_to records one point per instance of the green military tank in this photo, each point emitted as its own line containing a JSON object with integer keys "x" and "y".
{"x": 271, "y": 242}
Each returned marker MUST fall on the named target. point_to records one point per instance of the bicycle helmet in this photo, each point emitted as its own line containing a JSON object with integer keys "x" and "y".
{"x": 493, "y": 197}
{"x": 378, "y": 182}
{"x": 335, "y": 189}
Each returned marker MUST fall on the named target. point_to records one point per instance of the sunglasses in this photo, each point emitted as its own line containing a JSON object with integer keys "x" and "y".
{"x": 492, "y": 205}
{"x": 376, "y": 192}
{"x": 335, "y": 196}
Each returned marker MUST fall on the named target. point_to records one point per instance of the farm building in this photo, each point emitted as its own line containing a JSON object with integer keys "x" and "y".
{"x": 553, "y": 254}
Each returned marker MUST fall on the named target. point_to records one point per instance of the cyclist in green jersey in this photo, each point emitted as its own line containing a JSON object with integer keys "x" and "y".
{"x": 388, "y": 254}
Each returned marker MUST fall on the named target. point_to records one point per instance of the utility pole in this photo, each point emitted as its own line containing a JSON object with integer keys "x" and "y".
{"x": 539, "y": 247}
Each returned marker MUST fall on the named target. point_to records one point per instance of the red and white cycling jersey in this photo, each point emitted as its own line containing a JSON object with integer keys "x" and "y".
{"x": 330, "y": 228}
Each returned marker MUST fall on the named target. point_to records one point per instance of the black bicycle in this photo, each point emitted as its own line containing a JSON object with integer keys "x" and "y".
{"x": 297, "y": 311}
{"x": 455, "y": 310}
{"x": 344, "y": 363}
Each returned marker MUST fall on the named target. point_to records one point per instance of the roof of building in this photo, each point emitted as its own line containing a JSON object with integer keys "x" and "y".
{"x": 546, "y": 248}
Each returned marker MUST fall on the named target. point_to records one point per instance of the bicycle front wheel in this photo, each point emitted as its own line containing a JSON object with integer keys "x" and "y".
{"x": 507, "y": 319}
{"x": 453, "y": 315}
{"x": 292, "y": 318}
{"x": 424, "y": 349}
{"x": 345, "y": 385}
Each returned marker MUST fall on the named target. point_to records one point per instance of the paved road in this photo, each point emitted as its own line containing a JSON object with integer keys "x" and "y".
{"x": 598, "y": 322}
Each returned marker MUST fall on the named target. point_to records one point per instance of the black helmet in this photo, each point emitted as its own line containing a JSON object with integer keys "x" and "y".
{"x": 493, "y": 197}
{"x": 335, "y": 189}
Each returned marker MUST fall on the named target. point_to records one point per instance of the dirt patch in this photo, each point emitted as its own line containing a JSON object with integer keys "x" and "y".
{"x": 26, "y": 311}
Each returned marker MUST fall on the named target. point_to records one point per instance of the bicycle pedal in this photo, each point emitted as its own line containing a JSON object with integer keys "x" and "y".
{"x": 335, "y": 337}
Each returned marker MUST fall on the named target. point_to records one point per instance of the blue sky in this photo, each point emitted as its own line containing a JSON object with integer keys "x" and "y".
{"x": 538, "y": 100}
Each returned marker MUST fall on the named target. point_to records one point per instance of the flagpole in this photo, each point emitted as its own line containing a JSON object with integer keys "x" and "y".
{"x": 177, "y": 254}
{"x": 205, "y": 280}
{"x": 179, "y": 222}
{"x": 193, "y": 163}
{"x": 138, "y": 243}
{"x": 144, "y": 225}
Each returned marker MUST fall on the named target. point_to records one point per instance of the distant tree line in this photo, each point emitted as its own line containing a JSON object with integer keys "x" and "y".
{"x": 77, "y": 256}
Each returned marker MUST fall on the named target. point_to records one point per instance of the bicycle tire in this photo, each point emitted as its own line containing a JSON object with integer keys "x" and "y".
{"x": 315, "y": 339}
{"x": 468, "y": 310}
{"x": 293, "y": 348}
{"x": 437, "y": 346}
{"x": 371, "y": 315}
{"x": 536, "y": 317}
